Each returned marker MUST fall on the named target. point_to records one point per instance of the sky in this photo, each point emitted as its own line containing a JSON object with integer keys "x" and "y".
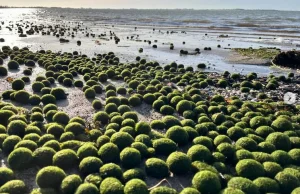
{"x": 161, "y": 4}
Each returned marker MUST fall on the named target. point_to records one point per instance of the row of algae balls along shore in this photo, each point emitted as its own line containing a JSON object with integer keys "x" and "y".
{"x": 231, "y": 146}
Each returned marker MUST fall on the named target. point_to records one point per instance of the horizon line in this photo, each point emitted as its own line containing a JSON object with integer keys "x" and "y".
{"x": 8, "y": 7}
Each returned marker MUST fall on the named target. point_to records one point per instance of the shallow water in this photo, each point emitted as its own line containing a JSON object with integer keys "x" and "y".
{"x": 122, "y": 23}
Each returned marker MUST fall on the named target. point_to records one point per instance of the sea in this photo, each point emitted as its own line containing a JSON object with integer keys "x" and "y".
{"x": 196, "y": 28}
{"x": 236, "y": 20}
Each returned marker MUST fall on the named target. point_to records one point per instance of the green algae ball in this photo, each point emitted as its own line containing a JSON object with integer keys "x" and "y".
{"x": 111, "y": 186}
{"x": 6, "y": 174}
{"x": 287, "y": 182}
{"x": 14, "y": 186}
{"x": 70, "y": 184}
{"x": 164, "y": 146}
{"x": 249, "y": 168}
{"x": 156, "y": 168}
{"x": 109, "y": 152}
{"x": 206, "y": 182}
{"x": 130, "y": 157}
{"x": 136, "y": 186}
{"x": 90, "y": 165}
{"x": 20, "y": 159}
{"x": 50, "y": 177}
{"x": 87, "y": 188}
{"x": 163, "y": 190}
{"x": 179, "y": 163}
{"x": 280, "y": 140}
{"x": 111, "y": 170}
{"x": 244, "y": 184}
{"x": 178, "y": 135}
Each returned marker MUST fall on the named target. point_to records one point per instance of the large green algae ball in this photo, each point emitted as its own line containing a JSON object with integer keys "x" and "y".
{"x": 43, "y": 156}
{"x": 22, "y": 97}
{"x": 94, "y": 179}
{"x": 258, "y": 121}
{"x": 16, "y": 127}
{"x": 37, "y": 86}
{"x": 87, "y": 188}
{"x": 61, "y": 118}
{"x": 199, "y": 153}
{"x": 101, "y": 117}
{"x": 14, "y": 187}
{"x": 178, "y": 135}
{"x": 230, "y": 190}
{"x": 109, "y": 152}
{"x": 264, "y": 131}
{"x": 156, "y": 168}
{"x": 171, "y": 121}
{"x": 206, "y": 182}
{"x": 20, "y": 159}
{"x": 282, "y": 157}
{"x": 122, "y": 140}
{"x": 244, "y": 184}
{"x": 50, "y": 177}
{"x": 65, "y": 159}
{"x": 70, "y": 184}
{"x": 135, "y": 173}
{"x": 281, "y": 125}
{"x": 6, "y": 174}
{"x": 136, "y": 186}
{"x": 18, "y": 84}
{"x": 183, "y": 105}
{"x": 164, "y": 146}
{"x": 90, "y": 165}
{"x": 130, "y": 157}
{"x": 163, "y": 190}
{"x": 247, "y": 143}
{"x": 87, "y": 150}
{"x": 59, "y": 93}
{"x": 280, "y": 140}
{"x": 266, "y": 185}
{"x": 5, "y": 115}
{"x": 111, "y": 185}
{"x": 189, "y": 190}
{"x": 179, "y": 163}
{"x": 111, "y": 170}
{"x": 75, "y": 128}
{"x": 249, "y": 168}
{"x": 287, "y": 182}
{"x": 142, "y": 128}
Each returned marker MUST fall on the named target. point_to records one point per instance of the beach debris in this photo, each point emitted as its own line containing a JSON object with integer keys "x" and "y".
{"x": 62, "y": 40}
{"x": 223, "y": 36}
{"x": 289, "y": 59}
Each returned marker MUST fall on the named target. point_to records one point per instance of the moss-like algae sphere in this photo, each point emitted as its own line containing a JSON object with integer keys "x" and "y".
{"x": 130, "y": 157}
{"x": 111, "y": 186}
{"x": 156, "y": 168}
{"x": 179, "y": 163}
{"x": 136, "y": 186}
{"x": 249, "y": 168}
{"x": 70, "y": 184}
{"x": 206, "y": 182}
{"x": 50, "y": 177}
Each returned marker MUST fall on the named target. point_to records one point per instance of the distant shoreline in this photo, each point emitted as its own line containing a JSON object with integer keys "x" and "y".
{"x": 179, "y": 9}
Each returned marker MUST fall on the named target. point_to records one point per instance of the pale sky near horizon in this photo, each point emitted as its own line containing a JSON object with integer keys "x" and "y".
{"x": 161, "y": 4}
